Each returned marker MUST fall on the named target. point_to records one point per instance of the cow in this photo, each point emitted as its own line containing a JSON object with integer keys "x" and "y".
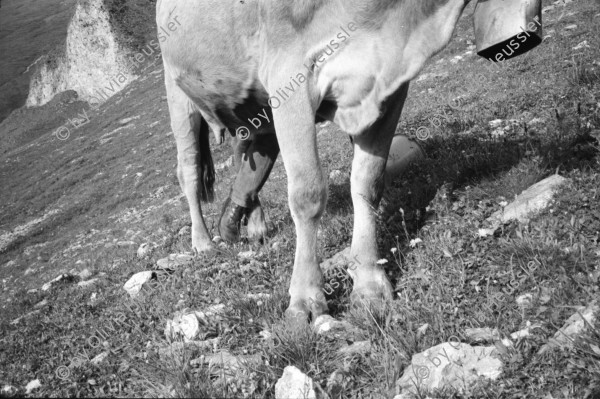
{"x": 231, "y": 64}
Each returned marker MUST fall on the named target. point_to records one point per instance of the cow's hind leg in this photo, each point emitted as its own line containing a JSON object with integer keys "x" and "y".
{"x": 195, "y": 170}
{"x": 367, "y": 183}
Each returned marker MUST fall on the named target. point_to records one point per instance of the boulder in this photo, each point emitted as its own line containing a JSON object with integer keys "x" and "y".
{"x": 573, "y": 327}
{"x": 534, "y": 199}
{"x": 453, "y": 365}
{"x": 133, "y": 286}
{"x": 294, "y": 384}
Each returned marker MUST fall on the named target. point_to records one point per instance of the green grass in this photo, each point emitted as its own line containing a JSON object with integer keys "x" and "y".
{"x": 451, "y": 281}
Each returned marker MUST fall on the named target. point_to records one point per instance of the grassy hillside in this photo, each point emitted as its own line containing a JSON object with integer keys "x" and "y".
{"x": 89, "y": 201}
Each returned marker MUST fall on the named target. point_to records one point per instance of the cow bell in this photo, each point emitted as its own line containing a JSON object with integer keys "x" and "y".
{"x": 507, "y": 28}
{"x": 403, "y": 152}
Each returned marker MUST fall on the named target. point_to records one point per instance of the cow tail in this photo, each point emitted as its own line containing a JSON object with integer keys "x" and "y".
{"x": 206, "y": 165}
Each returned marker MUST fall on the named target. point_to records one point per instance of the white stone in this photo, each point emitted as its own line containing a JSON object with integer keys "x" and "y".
{"x": 41, "y": 304}
{"x": 87, "y": 283}
{"x": 484, "y": 334}
{"x": 357, "y": 348}
{"x": 228, "y": 163}
{"x": 534, "y": 199}
{"x": 9, "y": 390}
{"x": 326, "y": 323}
{"x": 496, "y": 123}
{"x": 49, "y": 284}
{"x": 185, "y": 325}
{"x": 524, "y": 300}
{"x": 449, "y": 365}
{"x": 174, "y": 261}
{"x": 100, "y": 358}
{"x": 144, "y": 250}
{"x": 85, "y": 274}
{"x": 247, "y": 254}
{"x": 582, "y": 45}
{"x": 573, "y": 327}
{"x": 35, "y": 384}
{"x": 211, "y": 312}
{"x": 340, "y": 259}
{"x": 294, "y": 384}
{"x": 134, "y": 285}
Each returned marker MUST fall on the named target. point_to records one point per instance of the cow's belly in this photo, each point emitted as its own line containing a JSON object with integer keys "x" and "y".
{"x": 212, "y": 57}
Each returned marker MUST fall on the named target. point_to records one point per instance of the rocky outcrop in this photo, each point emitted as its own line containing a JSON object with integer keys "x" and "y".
{"x": 92, "y": 62}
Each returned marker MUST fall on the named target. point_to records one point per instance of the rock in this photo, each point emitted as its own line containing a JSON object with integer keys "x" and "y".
{"x": 534, "y": 199}
{"x": 41, "y": 304}
{"x": 35, "y": 384}
{"x": 247, "y": 254}
{"x": 144, "y": 250}
{"x": 49, "y": 284}
{"x": 85, "y": 274}
{"x": 449, "y": 365}
{"x": 574, "y": 326}
{"x": 524, "y": 300}
{"x": 338, "y": 178}
{"x": 174, "y": 261}
{"x": 126, "y": 244}
{"x": 294, "y": 384}
{"x": 87, "y": 283}
{"x": 211, "y": 312}
{"x": 582, "y": 45}
{"x": 422, "y": 330}
{"x": 9, "y": 390}
{"x": 485, "y": 334}
{"x": 326, "y": 323}
{"x": 185, "y": 325}
{"x": 496, "y": 123}
{"x": 125, "y": 121}
{"x": 228, "y": 163}
{"x": 100, "y": 358}
{"x": 358, "y": 348}
{"x": 570, "y": 27}
{"x": 134, "y": 285}
{"x": 185, "y": 231}
{"x": 526, "y": 332}
{"x": 340, "y": 259}
{"x": 258, "y": 296}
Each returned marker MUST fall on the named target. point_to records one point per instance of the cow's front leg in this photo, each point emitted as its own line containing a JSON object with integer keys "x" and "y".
{"x": 307, "y": 196}
{"x": 188, "y": 128}
{"x": 367, "y": 183}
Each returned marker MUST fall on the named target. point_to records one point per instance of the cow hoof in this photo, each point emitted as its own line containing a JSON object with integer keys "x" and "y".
{"x": 301, "y": 312}
{"x": 372, "y": 293}
{"x": 257, "y": 228}
{"x": 230, "y": 221}
{"x": 204, "y": 249}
